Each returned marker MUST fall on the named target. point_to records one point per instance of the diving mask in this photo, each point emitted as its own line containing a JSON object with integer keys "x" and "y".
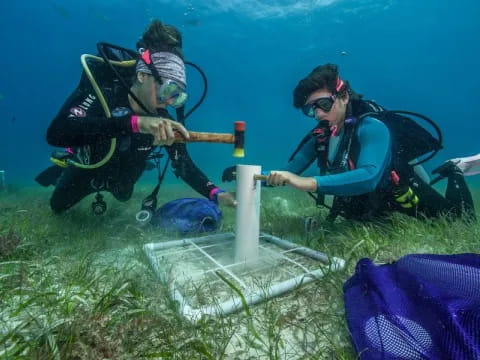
{"x": 323, "y": 103}
{"x": 171, "y": 93}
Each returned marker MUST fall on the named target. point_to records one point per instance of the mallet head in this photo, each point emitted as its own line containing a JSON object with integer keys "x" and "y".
{"x": 239, "y": 149}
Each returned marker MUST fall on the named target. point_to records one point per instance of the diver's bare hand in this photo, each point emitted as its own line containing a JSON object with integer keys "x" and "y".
{"x": 226, "y": 199}
{"x": 281, "y": 178}
{"x": 162, "y": 129}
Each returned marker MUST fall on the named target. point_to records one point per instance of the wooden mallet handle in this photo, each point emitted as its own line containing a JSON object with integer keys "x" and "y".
{"x": 238, "y": 139}
{"x": 260, "y": 177}
{"x": 196, "y": 136}
{"x": 255, "y": 177}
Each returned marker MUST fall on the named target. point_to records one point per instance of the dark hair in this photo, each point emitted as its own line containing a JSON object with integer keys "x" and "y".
{"x": 322, "y": 77}
{"x": 161, "y": 37}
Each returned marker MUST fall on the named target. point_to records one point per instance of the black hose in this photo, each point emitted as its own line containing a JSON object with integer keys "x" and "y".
{"x": 100, "y": 48}
{"x": 205, "y": 89}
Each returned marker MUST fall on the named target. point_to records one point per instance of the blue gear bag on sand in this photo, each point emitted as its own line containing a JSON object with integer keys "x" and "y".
{"x": 420, "y": 307}
{"x": 188, "y": 215}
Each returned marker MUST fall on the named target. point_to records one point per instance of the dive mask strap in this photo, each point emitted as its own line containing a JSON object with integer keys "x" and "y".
{"x": 339, "y": 84}
{"x": 145, "y": 55}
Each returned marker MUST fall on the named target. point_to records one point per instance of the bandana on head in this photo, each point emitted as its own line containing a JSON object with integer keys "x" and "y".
{"x": 168, "y": 66}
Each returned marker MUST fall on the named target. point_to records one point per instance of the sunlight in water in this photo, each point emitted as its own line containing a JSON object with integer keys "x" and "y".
{"x": 259, "y": 9}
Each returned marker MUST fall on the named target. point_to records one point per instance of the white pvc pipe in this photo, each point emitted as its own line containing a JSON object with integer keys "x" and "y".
{"x": 247, "y": 222}
{"x": 285, "y": 244}
{"x": 259, "y": 295}
{"x": 186, "y": 241}
{"x": 255, "y": 295}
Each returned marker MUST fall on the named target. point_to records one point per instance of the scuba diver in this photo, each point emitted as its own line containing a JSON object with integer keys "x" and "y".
{"x": 367, "y": 156}
{"x": 116, "y": 117}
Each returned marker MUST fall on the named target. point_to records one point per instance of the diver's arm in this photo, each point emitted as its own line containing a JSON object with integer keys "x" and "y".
{"x": 373, "y": 160}
{"x": 81, "y": 121}
{"x": 280, "y": 178}
{"x": 185, "y": 168}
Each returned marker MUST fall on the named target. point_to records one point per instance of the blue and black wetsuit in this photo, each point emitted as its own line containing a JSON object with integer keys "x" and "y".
{"x": 362, "y": 185}
{"x": 82, "y": 126}
{"x": 372, "y": 167}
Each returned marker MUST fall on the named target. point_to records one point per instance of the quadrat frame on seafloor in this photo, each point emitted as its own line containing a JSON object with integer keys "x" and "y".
{"x": 204, "y": 278}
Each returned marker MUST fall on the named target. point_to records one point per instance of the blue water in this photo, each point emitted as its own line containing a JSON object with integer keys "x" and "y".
{"x": 406, "y": 54}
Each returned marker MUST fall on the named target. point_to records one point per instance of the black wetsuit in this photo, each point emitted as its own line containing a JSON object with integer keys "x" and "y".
{"x": 82, "y": 126}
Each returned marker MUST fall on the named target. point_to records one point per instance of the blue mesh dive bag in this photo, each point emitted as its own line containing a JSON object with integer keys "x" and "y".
{"x": 188, "y": 215}
{"x": 420, "y": 307}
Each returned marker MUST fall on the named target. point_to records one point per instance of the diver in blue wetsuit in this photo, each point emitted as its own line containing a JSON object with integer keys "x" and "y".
{"x": 361, "y": 161}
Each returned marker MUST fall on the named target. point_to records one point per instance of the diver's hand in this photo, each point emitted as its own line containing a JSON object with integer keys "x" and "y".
{"x": 281, "y": 178}
{"x": 161, "y": 128}
{"x": 226, "y": 199}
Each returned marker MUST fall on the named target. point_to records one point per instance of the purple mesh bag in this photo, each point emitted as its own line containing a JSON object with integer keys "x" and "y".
{"x": 420, "y": 307}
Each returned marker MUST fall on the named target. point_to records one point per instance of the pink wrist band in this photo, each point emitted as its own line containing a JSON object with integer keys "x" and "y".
{"x": 134, "y": 123}
{"x": 214, "y": 192}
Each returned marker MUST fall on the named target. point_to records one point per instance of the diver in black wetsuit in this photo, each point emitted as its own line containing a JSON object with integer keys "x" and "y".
{"x": 138, "y": 121}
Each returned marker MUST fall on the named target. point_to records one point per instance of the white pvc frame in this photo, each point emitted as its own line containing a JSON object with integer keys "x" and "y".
{"x": 251, "y": 295}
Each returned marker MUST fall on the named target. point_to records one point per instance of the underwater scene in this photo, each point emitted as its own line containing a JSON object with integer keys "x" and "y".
{"x": 239, "y": 179}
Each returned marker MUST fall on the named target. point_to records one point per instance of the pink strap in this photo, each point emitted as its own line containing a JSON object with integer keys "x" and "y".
{"x": 134, "y": 122}
{"x": 334, "y": 130}
{"x": 146, "y": 56}
{"x": 213, "y": 192}
{"x": 339, "y": 85}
